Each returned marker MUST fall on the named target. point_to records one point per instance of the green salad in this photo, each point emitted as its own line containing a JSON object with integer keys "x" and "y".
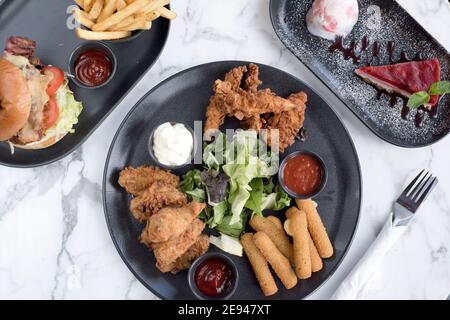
{"x": 236, "y": 182}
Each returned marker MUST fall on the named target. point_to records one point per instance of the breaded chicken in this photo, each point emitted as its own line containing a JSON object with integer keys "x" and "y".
{"x": 136, "y": 180}
{"x": 234, "y": 77}
{"x": 288, "y": 123}
{"x": 252, "y": 81}
{"x": 166, "y": 253}
{"x": 198, "y": 249}
{"x": 157, "y": 196}
{"x": 238, "y": 96}
{"x": 243, "y": 105}
{"x": 170, "y": 222}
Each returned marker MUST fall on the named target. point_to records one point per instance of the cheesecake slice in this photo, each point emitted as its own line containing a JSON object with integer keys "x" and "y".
{"x": 404, "y": 78}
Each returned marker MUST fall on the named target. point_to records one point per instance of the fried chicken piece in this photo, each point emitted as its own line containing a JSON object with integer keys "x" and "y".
{"x": 136, "y": 180}
{"x": 288, "y": 123}
{"x": 254, "y": 123}
{"x": 230, "y": 100}
{"x": 168, "y": 252}
{"x": 198, "y": 249}
{"x": 157, "y": 196}
{"x": 170, "y": 222}
{"x": 215, "y": 117}
{"x": 243, "y": 105}
{"x": 252, "y": 81}
{"x": 234, "y": 77}
{"x": 215, "y": 113}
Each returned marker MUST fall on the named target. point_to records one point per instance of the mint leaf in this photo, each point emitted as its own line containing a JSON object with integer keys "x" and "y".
{"x": 417, "y": 99}
{"x": 439, "y": 88}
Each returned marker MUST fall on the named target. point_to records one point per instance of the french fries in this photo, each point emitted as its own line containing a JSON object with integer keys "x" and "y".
{"x": 83, "y": 18}
{"x": 88, "y": 4}
{"x": 120, "y": 15}
{"x": 108, "y": 35}
{"x": 108, "y": 10}
{"x": 166, "y": 13}
{"x": 117, "y": 19}
{"x": 120, "y": 4}
{"x": 139, "y": 25}
{"x": 96, "y": 9}
{"x": 80, "y": 3}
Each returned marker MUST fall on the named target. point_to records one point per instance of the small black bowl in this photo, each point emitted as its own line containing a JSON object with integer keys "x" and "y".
{"x": 91, "y": 45}
{"x": 212, "y": 255}
{"x": 154, "y": 158}
{"x": 324, "y": 175}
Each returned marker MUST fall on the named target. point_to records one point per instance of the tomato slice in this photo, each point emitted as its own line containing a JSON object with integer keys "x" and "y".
{"x": 51, "y": 113}
{"x": 57, "y": 79}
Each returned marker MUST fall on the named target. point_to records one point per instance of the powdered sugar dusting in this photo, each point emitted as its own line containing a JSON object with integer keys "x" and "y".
{"x": 380, "y": 21}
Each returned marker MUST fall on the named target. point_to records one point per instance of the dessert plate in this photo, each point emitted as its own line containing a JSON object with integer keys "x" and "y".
{"x": 384, "y": 34}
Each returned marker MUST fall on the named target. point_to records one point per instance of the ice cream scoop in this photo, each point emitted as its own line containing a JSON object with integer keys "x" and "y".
{"x": 331, "y": 18}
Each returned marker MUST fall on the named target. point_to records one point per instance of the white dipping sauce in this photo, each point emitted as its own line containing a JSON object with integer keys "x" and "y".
{"x": 172, "y": 144}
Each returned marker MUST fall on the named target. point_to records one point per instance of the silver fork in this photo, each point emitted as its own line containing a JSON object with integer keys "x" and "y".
{"x": 354, "y": 285}
{"x": 413, "y": 196}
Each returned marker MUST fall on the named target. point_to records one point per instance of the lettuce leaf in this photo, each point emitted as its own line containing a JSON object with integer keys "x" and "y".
{"x": 69, "y": 110}
{"x": 236, "y": 183}
{"x": 256, "y": 196}
{"x": 277, "y": 200}
{"x": 192, "y": 185}
{"x": 234, "y": 229}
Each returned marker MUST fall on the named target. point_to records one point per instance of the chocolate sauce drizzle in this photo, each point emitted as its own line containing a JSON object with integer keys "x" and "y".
{"x": 356, "y": 52}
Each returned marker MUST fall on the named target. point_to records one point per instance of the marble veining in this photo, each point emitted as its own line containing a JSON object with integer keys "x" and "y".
{"x": 433, "y": 15}
{"x": 54, "y": 242}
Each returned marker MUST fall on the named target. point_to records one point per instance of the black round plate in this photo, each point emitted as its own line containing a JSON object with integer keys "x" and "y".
{"x": 184, "y": 98}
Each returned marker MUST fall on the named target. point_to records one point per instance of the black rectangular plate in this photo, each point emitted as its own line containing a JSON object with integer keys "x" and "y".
{"x": 46, "y": 22}
{"x": 288, "y": 19}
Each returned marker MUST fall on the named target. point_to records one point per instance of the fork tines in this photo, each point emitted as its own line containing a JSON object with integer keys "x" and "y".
{"x": 416, "y": 192}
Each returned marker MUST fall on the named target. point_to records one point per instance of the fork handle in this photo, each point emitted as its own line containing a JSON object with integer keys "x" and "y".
{"x": 353, "y": 286}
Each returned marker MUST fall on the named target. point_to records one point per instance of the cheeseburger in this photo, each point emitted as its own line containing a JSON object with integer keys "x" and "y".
{"x": 37, "y": 108}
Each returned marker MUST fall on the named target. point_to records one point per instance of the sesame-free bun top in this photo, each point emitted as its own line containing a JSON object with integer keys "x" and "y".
{"x": 15, "y": 100}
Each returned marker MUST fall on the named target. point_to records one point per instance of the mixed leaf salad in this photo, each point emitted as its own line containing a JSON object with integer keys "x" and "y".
{"x": 236, "y": 182}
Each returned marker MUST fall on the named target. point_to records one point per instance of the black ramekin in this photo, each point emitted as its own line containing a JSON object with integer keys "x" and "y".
{"x": 152, "y": 154}
{"x": 324, "y": 174}
{"x": 212, "y": 255}
{"x": 91, "y": 45}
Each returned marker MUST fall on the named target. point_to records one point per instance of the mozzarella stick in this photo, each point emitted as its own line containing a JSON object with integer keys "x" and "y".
{"x": 316, "y": 228}
{"x": 278, "y": 236}
{"x": 275, "y": 221}
{"x": 280, "y": 264}
{"x": 259, "y": 265}
{"x": 300, "y": 252}
{"x": 316, "y": 260}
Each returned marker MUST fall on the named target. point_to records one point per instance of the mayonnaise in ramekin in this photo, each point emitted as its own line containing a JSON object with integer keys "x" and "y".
{"x": 172, "y": 144}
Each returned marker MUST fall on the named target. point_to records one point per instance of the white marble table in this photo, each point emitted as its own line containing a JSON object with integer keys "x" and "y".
{"x": 54, "y": 242}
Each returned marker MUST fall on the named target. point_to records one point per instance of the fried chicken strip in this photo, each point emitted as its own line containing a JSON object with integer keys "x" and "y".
{"x": 247, "y": 103}
{"x": 243, "y": 105}
{"x": 215, "y": 113}
{"x": 170, "y": 222}
{"x": 252, "y": 81}
{"x": 136, "y": 180}
{"x": 234, "y": 77}
{"x": 288, "y": 124}
{"x": 168, "y": 252}
{"x": 198, "y": 249}
{"x": 157, "y": 196}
